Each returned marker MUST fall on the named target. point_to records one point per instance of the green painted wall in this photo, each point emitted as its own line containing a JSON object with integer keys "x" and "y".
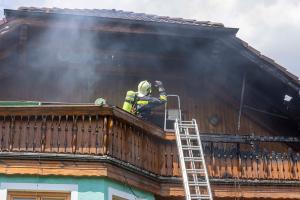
{"x": 20, "y": 103}
{"x": 89, "y": 188}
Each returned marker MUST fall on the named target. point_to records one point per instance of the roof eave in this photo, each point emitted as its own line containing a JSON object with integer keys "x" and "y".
{"x": 264, "y": 63}
{"x": 12, "y": 14}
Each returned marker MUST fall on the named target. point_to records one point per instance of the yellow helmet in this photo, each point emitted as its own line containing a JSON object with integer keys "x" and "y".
{"x": 144, "y": 88}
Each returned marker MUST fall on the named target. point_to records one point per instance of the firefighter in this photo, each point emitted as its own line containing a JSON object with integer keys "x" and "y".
{"x": 141, "y": 102}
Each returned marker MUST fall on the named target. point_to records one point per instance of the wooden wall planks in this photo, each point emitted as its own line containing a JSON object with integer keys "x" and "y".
{"x": 201, "y": 99}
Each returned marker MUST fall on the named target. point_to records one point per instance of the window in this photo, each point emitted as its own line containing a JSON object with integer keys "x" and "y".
{"x": 38, "y": 191}
{"x": 114, "y": 194}
{"x": 117, "y": 198}
{"x": 38, "y": 196}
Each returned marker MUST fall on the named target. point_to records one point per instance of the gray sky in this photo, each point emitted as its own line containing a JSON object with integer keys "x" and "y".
{"x": 271, "y": 26}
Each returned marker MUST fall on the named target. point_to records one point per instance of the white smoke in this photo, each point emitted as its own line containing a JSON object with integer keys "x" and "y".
{"x": 271, "y": 26}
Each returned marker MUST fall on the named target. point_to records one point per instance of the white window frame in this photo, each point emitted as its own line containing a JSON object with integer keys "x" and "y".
{"x": 113, "y": 191}
{"x": 40, "y": 187}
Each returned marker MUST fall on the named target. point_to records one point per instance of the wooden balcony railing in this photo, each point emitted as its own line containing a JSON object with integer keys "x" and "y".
{"x": 94, "y": 130}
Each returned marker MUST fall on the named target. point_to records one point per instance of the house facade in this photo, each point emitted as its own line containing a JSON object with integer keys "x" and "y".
{"x": 55, "y": 143}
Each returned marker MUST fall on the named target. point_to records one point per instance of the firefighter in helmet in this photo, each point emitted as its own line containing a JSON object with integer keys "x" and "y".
{"x": 141, "y": 102}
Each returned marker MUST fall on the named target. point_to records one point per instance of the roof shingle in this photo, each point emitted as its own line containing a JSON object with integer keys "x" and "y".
{"x": 120, "y": 14}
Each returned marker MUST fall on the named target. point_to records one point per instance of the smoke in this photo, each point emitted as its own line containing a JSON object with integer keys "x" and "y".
{"x": 57, "y": 59}
{"x": 64, "y": 60}
{"x": 271, "y": 26}
{"x": 67, "y": 60}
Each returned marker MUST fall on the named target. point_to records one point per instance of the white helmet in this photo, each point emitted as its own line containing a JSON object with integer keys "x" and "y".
{"x": 144, "y": 88}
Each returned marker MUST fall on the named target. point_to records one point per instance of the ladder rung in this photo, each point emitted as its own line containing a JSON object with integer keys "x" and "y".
{"x": 196, "y": 196}
{"x": 200, "y": 184}
{"x": 187, "y": 122}
{"x": 195, "y": 171}
{"x": 186, "y": 147}
{"x": 183, "y": 136}
{"x": 195, "y": 159}
{"x": 185, "y": 127}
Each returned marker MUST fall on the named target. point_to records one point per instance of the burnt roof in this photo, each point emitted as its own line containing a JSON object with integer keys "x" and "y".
{"x": 270, "y": 61}
{"x": 269, "y": 64}
{"x": 120, "y": 14}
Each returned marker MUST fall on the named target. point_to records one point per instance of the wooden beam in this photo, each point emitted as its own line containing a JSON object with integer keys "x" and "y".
{"x": 55, "y": 110}
{"x": 254, "y": 192}
{"x": 105, "y": 27}
{"x": 233, "y": 138}
{"x": 92, "y": 169}
{"x": 78, "y": 169}
{"x": 243, "y": 192}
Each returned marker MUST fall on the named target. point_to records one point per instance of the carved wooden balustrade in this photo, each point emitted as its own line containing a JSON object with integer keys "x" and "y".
{"x": 94, "y": 130}
{"x": 251, "y": 165}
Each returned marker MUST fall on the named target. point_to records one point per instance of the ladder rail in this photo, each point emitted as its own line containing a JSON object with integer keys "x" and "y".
{"x": 190, "y": 153}
{"x": 204, "y": 164}
{"x": 182, "y": 164}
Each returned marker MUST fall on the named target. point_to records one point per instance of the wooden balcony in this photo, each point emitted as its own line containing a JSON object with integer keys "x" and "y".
{"x": 89, "y": 130}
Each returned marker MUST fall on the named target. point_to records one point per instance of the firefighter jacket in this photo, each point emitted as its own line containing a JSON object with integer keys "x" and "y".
{"x": 142, "y": 106}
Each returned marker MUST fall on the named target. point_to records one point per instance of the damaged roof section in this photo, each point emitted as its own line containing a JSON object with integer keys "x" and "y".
{"x": 120, "y": 14}
{"x": 191, "y": 25}
{"x": 157, "y": 24}
{"x": 269, "y": 60}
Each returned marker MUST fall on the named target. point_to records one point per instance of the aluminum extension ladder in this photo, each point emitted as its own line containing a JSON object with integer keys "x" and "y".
{"x": 192, "y": 162}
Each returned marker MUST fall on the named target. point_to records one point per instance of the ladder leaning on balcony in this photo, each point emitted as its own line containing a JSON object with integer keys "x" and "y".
{"x": 192, "y": 162}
